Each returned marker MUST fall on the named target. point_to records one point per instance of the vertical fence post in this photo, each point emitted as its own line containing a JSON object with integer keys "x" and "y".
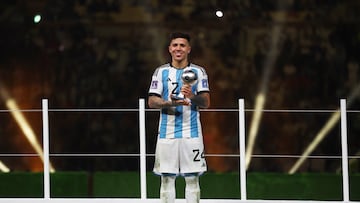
{"x": 45, "y": 118}
{"x": 142, "y": 149}
{"x": 344, "y": 151}
{"x": 242, "y": 149}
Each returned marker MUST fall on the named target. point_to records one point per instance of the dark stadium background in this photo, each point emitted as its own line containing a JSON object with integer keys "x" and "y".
{"x": 97, "y": 54}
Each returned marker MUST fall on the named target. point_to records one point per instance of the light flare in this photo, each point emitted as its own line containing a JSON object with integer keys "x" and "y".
{"x": 324, "y": 131}
{"x": 319, "y": 137}
{"x": 260, "y": 99}
{"x": 259, "y": 106}
{"x": 25, "y": 127}
{"x": 4, "y": 168}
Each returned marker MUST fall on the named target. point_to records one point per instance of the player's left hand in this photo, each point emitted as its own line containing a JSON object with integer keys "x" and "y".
{"x": 186, "y": 91}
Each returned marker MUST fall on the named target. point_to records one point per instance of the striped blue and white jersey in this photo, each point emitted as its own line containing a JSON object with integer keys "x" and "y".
{"x": 179, "y": 121}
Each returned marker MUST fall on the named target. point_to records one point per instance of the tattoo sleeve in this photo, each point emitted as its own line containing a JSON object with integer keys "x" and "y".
{"x": 157, "y": 102}
{"x": 202, "y": 100}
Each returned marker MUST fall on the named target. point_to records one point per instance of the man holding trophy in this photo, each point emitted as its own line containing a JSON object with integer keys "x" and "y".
{"x": 179, "y": 89}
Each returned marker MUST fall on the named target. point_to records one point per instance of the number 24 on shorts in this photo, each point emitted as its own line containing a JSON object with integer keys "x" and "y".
{"x": 198, "y": 156}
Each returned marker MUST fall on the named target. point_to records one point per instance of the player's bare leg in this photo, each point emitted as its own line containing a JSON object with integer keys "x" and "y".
{"x": 192, "y": 189}
{"x": 167, "y": 189}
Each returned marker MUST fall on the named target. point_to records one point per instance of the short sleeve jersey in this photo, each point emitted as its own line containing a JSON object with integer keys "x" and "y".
{"x": 179, "y": 121}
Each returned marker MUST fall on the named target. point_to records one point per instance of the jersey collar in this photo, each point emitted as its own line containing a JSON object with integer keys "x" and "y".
{"x": 180, "y": 68}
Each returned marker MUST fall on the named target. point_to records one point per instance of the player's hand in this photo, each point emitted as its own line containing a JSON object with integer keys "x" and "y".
{"x": 186, "y": 91}
{"x": 180, "y": 102}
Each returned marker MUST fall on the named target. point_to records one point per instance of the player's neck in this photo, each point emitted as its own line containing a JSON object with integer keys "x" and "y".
{"x": 180, "y": 64}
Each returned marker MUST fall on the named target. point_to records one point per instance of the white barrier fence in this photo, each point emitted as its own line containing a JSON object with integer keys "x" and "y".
{"x": 143, "y": 197}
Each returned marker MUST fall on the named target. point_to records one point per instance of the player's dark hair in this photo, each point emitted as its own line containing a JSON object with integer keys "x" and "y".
{"x": 175, "y": 35}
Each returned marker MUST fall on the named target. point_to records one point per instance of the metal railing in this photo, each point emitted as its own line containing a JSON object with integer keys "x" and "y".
{"x": 142, "y": 143}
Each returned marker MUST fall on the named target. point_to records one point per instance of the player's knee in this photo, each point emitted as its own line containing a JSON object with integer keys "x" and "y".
{"x": 192, "y": 183}
{"x": 168, "y": 182}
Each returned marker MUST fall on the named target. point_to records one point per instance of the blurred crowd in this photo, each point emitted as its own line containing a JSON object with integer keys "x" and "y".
{"x": 304, "y": 54}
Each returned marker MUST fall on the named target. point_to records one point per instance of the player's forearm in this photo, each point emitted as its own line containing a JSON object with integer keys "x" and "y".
{"x": 158, "y": 103}
{"x": 202, "y": 100}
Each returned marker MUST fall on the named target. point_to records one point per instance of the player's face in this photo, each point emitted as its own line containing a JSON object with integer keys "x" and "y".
{"x": 179, "y": 49}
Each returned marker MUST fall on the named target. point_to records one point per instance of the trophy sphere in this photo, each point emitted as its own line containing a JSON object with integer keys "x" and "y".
{"x": 189, "y": 77}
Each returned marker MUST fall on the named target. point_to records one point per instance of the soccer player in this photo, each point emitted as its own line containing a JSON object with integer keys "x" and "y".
{"x": 179, "y": 148}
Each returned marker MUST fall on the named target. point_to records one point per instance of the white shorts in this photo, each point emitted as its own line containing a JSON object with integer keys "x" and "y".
{"x": 180, "y": 156}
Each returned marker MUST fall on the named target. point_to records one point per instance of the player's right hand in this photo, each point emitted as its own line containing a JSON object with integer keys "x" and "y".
{"x": 181, "y": 102}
